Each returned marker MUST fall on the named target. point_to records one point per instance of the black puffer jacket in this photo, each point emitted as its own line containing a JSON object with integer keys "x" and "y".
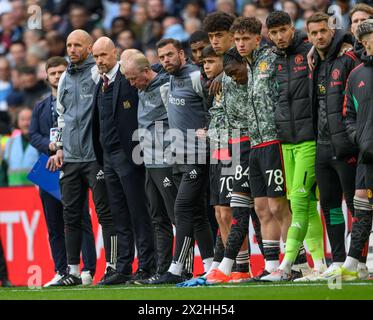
{"x": 358, "y": 110}
{"x": 337, "y": 69}
{"x": 293, "y": 115}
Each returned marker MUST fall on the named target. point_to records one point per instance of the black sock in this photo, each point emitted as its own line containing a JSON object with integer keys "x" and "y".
{"x": 361, "y": 227}
{"x": 257, "y": 228}
{"x": 271, "y": 250}
{"x": 219, "y": 248}
{"x": 301, "y": 257}
{"x": 336, "y": 233}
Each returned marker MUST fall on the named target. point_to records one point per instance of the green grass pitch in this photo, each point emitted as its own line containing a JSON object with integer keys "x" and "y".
{"x": 303, "y": 291}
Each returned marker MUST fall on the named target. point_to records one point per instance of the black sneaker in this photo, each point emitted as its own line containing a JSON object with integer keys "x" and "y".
{"x": 168, "y": 278}
{"x": 5, "y": 283}
{"x": 108, "y": 273}
{"x": 259, "y": 276}
{"x": 150, "y": 280}
{"x": 115, "y": 278}
{"x": 296, "y": 274}
{"x": 186, "y": 275}
{"x": 140, "y": 275}
{"x": 68, "y": 280}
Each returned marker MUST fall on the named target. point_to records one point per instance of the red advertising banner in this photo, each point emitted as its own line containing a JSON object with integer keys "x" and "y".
{"x": 24, "y": 237}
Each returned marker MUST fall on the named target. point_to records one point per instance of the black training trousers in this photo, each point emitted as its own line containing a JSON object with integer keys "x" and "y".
{"x": 335, "y": 179}
{"x": 161, "y": 192}
{"x": 3, "y": 268}
{"x": 190, "y": 212}
{"x": 75, "y": 180}
{"x": 129, "y": 206}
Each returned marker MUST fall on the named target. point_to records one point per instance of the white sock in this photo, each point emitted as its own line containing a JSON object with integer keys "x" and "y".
{"x": 319, "y": 265}
{"x": 271, "y": 265}
{"x": 207, "y": 264}
{"x": 74, "y": 269}
{"x": 112, "y": 265}
{"x": 351, "y": 264}
{"x": 214, "y": 265}
{"x": 361, "y": 265}
{"x": 176, "y": 268}
{"x": 337, "y": 264}
{"x": 226, "y": 266}
{"x": 285, "y": 265}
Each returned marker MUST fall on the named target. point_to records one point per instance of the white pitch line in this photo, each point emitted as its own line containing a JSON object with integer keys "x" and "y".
{"x": 96, "y": 288}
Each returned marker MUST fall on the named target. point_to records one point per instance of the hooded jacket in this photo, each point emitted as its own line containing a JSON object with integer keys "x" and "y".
{"x": 74, "y": 107}
{"x": 293, "y": 114}
{"x": 357, "y": 108}
{"x": 337, "y": 71}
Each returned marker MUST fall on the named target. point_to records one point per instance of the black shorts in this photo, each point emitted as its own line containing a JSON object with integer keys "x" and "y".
{"x": 240, "y": 164}
{"x": 360, "y": 177}
{"x": 267, "y": 178}
{"x": 220, "y": 186}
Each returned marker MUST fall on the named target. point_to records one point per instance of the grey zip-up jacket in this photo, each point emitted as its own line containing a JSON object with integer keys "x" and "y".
{"x": 74, "y": 107}
{"x": 153, "y": 122}
{"x": 186, "y": 111}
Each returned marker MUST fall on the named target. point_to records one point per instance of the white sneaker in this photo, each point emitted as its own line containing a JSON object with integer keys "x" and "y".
{"x": 334, "y": 266}
{"x": 278, "y": 275}
{"x": 87, "y": 278}
{"x": 311, "y": 276}
{"x": 57, "y": 277}
{"x": 362, "y": 271}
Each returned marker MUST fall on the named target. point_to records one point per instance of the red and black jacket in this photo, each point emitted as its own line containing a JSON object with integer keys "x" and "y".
{"x": 337, "y": 69}
{"x": 358, "y": 108}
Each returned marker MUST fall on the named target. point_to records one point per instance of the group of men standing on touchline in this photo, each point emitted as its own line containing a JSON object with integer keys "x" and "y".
{"x": 274, "y": 132}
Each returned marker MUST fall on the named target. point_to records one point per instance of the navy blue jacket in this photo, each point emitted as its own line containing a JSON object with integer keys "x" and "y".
{"x": 41, "y": 123}
{"x": 125, "y": 102}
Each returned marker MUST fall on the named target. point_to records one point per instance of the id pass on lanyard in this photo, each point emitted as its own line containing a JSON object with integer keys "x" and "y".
{"x": 53, "y": 134}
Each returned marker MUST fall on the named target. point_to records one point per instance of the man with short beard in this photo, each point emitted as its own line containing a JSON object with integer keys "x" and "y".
{"x": 336, "y": 156}
{"x": 114, "y": 121}
{"x": 75, "y": 154}
{"x": 186, "y": 113}
{"x": 42, "y": 128}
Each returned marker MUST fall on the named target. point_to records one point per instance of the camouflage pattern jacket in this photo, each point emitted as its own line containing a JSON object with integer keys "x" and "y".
{"x": 228, "y": 113}
{"x": 218, "y": 122}
{"x": 263, "y": 96}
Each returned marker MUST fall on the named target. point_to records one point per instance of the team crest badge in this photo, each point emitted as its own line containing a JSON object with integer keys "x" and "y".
{"x": 335, "y": 74}
{"x": 263, "y": 66}
{"x": 126, "y": 104}
{"x": 218, "y": 96}
{"x": 370, "y": 193}
{"x": 298, "y": 59}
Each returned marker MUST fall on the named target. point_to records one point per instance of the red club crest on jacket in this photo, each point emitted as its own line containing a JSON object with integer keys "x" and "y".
{"x": 335, "y": 74}
{"x": 298, "y": 59}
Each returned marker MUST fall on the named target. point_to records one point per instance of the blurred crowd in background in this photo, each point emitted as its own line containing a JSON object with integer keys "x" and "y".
{"x": 139, "y": 24}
